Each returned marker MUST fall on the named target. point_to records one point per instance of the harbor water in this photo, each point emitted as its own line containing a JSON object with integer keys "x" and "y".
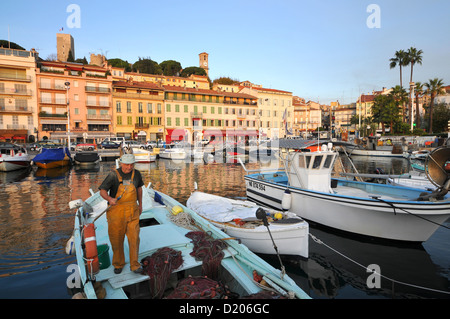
{"x": 36, "y": 223}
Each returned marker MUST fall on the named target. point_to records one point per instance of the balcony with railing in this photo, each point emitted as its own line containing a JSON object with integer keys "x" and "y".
{"x": 98, "y": 117}
{"x": 54, "y": 101}
{"x": 49, "y": 86}
{"x": 53, "y": 115}
{"x": 98, "y": 103}
{"x": 196, "y": 115}
{"x": 14, "y": 91}
{"x": 95, "y": 89}
{"x": 143, "y": 96}
{"x": 15, "y": 108}
{"x": 15, "y": 77}
{"x": 141, "y": 126}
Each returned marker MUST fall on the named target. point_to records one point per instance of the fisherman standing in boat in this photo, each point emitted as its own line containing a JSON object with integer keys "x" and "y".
{"x": 122, "y": 188}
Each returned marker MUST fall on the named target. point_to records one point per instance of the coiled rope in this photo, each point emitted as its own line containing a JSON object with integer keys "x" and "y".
{"x": 373, "y": 271}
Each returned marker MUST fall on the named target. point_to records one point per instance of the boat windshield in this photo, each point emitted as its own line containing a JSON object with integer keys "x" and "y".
{"x": 317, "y": 161}
{"x": 328, "y": 161}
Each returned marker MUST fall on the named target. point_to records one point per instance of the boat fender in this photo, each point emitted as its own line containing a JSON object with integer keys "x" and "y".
{"x": 90, "y": 250}
{"x": 70, "y": 247}
{"x": 176, "y": 210}
{"x": 278, "y": 216}
{"x": 286, "y": 200}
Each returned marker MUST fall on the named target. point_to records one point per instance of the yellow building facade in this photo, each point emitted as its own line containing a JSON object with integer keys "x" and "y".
{"x": 138, "y": 110}
{"x": 195, "y": 114}
{"x": 275, "y": 110}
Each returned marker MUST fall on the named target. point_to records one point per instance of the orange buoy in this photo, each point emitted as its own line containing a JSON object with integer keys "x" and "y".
{"x": 90, "y": 250}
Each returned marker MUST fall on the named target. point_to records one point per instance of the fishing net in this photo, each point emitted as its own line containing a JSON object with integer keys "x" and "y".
{"x": 200, "y": 288}
{"x": 159, "y": 266}
{"x": 209, "y": 251}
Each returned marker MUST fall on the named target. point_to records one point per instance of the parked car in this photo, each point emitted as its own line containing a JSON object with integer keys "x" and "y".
{"x": 152, "y": 144}
{"x": 133, "y": 143}
{"x": 109, "y": 145}
{"x": 46, "y": 144}
{"x": 85, "y": 147}
{"x": 118, "y": 140}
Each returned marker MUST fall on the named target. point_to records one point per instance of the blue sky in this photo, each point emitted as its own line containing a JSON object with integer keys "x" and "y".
{"x": 322, "y": 50}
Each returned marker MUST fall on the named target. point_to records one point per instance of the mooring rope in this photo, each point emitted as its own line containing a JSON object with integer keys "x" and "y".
{"x": 412, "y": 214}
{"x": 373, "y": 271}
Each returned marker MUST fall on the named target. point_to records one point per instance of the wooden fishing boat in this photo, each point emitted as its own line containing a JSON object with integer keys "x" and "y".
{"x": 53, "y": 157}
{"x": 371, "y": 209}
{"x": 286, "y": 231}
{"x": 167, "y": 225}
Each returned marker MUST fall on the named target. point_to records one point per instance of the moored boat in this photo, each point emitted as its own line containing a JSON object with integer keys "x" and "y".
{"x": 376, "y": 210}
{"x": 53, "y": 157}
{"x": 175, "y": 238}
{"x": 13, "y": 157}
{"x": 143, "y": 156}
{"x": 285, "y": 230}
{"x": 86, "y": 158}
{"x": 173, "y": 152}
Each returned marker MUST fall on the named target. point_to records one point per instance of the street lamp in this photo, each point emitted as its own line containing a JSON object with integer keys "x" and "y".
{"x": 67, "y": 85}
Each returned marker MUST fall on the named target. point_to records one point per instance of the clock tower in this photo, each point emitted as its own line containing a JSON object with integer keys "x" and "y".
{"x": 203, "y": 62}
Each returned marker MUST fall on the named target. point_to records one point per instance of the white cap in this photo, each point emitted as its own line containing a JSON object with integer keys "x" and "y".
{"x": 127, "y": 159}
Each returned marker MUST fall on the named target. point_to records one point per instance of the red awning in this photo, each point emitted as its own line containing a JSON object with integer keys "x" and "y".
{"x": 175, "y": 134}
{"x": 242, "y": 132}
{"x": 216, "y": 133}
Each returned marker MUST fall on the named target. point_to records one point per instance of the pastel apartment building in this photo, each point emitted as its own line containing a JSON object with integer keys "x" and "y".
{"x": 18, "y": 113}
{"x": 73, "y": 98}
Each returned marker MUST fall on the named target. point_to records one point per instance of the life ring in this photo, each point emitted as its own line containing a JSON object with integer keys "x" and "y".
{"x": 90, "y": 249}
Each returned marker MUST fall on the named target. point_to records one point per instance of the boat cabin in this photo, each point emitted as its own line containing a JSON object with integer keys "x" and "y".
{"x": 311, "y": 170}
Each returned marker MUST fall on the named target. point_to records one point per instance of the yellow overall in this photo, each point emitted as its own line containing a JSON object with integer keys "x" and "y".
{"x": 123, "y": 219}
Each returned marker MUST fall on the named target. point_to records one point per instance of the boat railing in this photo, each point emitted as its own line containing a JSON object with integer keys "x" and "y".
{"x": 259, "y": 170}
{"x": 378, "y": 176}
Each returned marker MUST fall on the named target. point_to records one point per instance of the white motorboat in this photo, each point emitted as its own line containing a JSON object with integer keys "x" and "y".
{"x": 239, "y": 219}
{"x": 13, "y": 157}
{"x": 171, "y": 236}
{"x": 371, "y": 209}
{"x": 143, "y": 156}
{"x": 174, "y": 152}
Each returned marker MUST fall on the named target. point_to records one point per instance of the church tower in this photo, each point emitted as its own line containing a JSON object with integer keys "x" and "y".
{"x": 203, "y": 62}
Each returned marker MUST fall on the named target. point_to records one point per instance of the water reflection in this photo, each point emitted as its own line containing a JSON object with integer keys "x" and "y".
{"x": 36, "y": 223}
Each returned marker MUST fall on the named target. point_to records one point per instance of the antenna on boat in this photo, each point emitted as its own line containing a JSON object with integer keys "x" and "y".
{"x": 261, "y": 214}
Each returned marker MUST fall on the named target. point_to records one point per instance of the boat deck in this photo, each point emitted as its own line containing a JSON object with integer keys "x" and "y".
{"x": 163, "y": 234}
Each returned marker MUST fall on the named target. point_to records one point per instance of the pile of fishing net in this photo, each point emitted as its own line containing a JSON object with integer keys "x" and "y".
{"x": 208, "y": 250}
{"x": 200, "y": 288}
{"x": 158, "y": 267}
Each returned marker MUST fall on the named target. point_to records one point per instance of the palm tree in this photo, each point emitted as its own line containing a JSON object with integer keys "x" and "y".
{"x": 418, "y": 91}
{"x": 413, "y": 56}
{"x": 400, "y": 59}
{"x": 434, "y": 87}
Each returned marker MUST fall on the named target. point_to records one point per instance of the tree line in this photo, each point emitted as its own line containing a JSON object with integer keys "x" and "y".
{"x": 391, "y": 109}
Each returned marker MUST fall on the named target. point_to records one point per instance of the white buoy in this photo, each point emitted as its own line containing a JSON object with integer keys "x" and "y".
{"x": 286, "y": 200}
{"x": 70, "y": 247}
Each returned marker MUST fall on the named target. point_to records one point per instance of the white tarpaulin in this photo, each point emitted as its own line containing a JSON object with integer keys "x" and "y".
{"x": 218, "y": 209}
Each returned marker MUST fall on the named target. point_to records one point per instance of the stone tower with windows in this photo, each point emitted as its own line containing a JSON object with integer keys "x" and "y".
{"x": 64, "y": 45}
